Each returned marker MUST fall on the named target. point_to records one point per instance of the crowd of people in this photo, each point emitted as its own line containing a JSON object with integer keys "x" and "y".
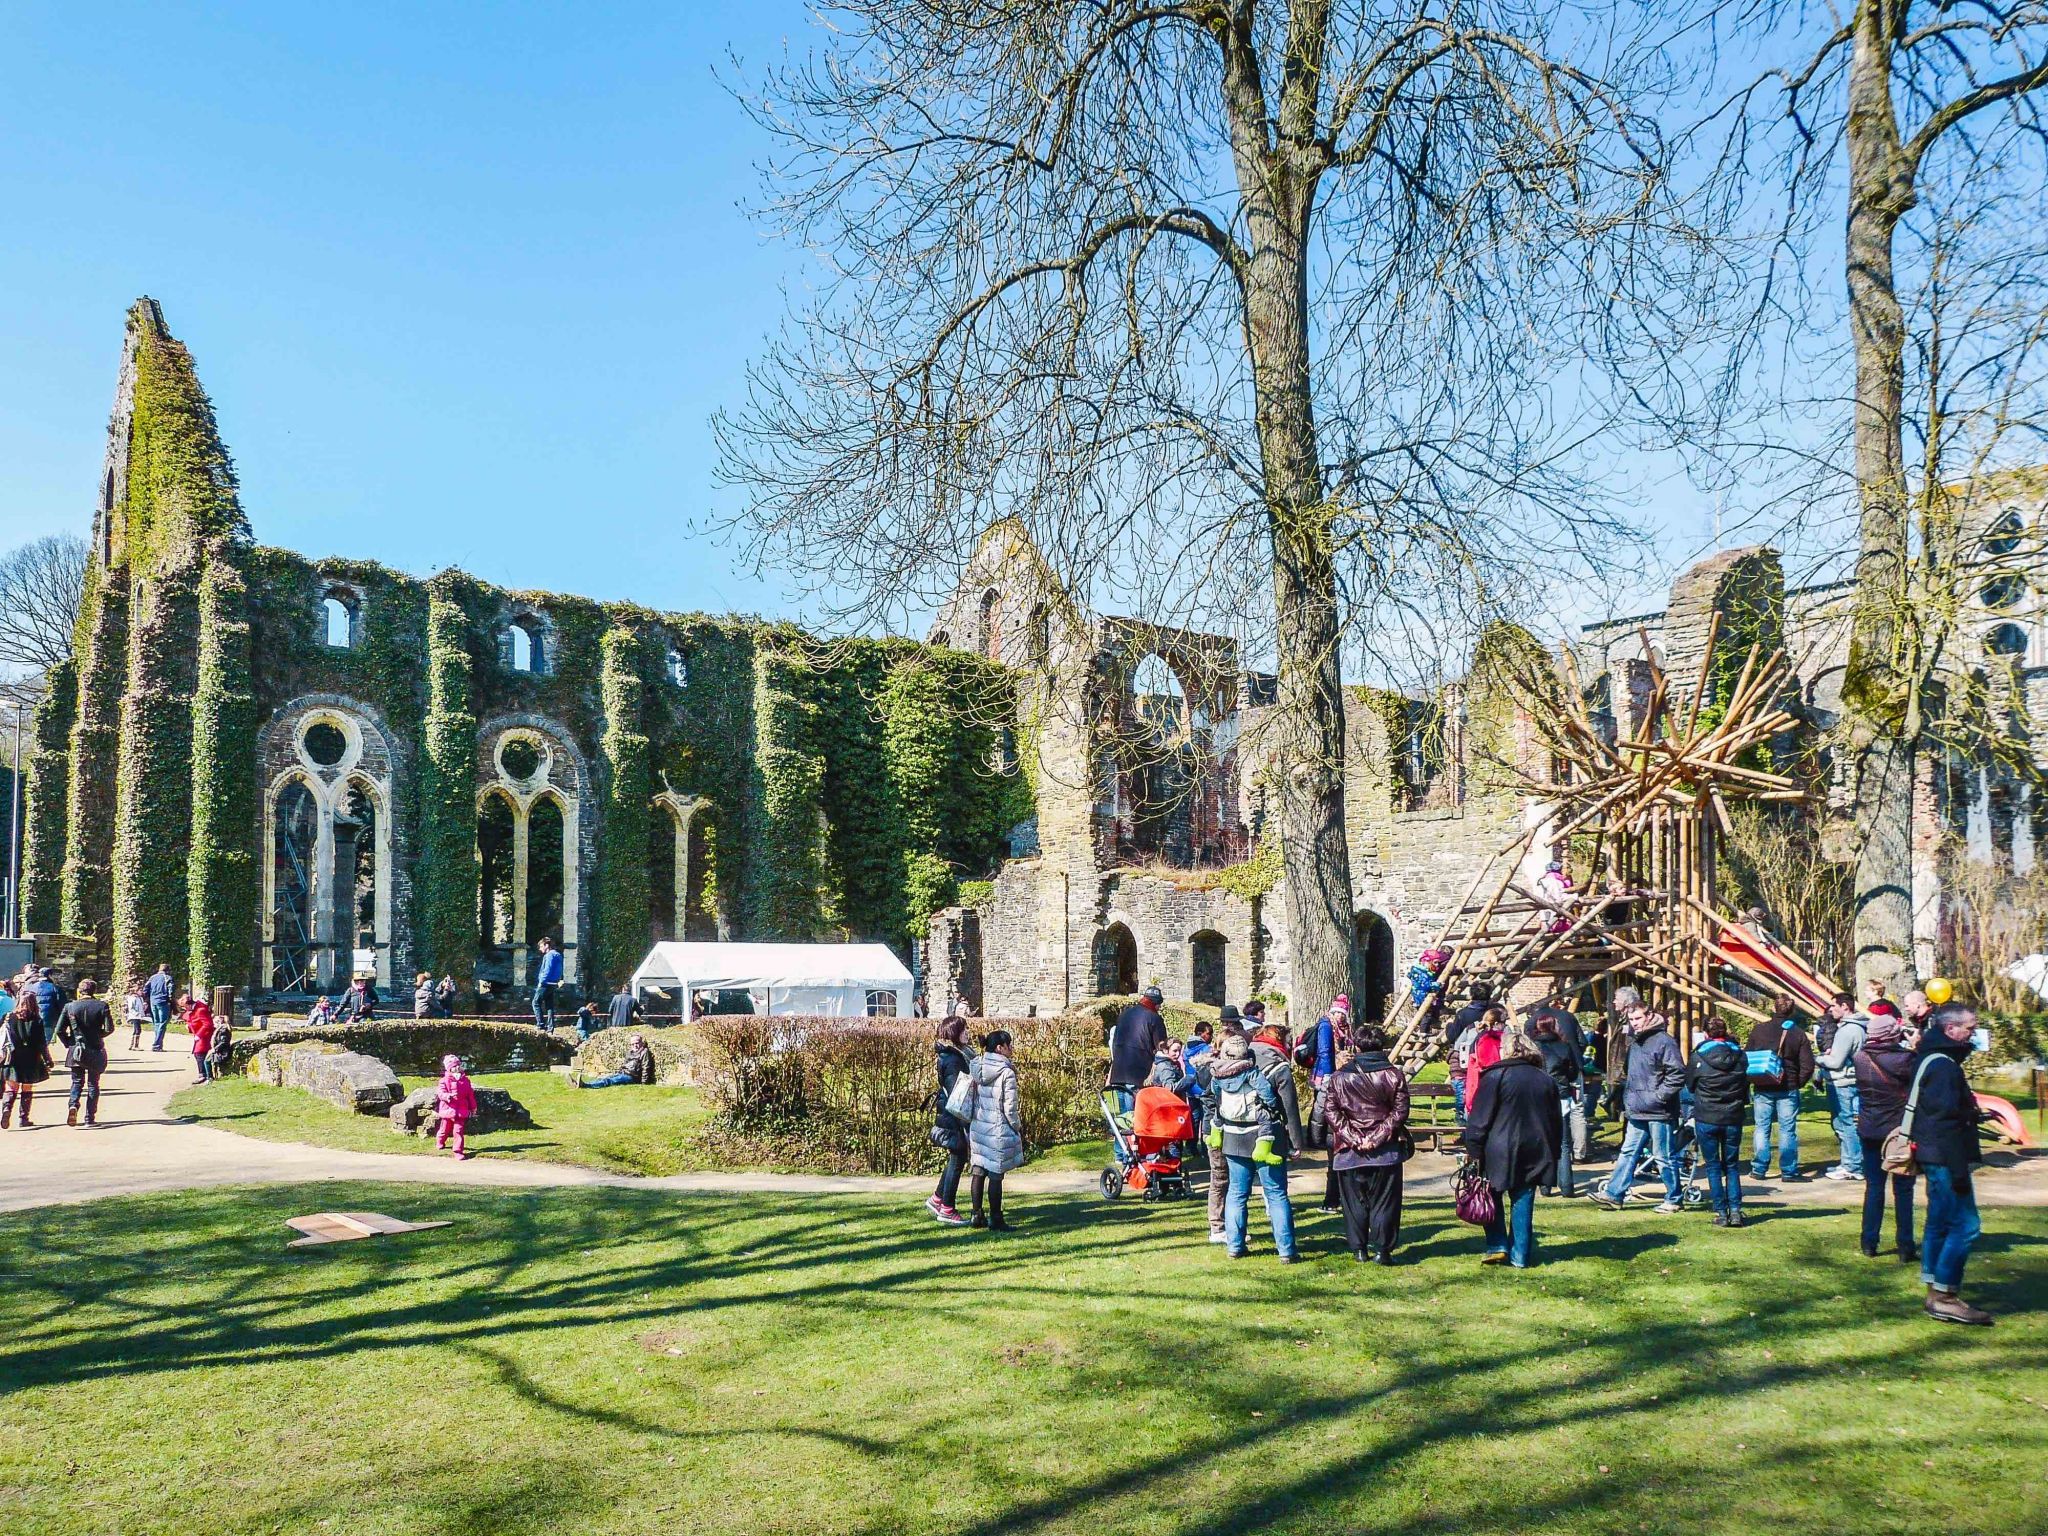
{"x": 39, "y": 1019}
{"x": 1524, "y": 1092}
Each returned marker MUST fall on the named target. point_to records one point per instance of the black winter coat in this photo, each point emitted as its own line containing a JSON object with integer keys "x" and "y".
{"x": 947, "y": 1131}
{"x": 1719, "y": 1080}
{"x": 29, "y": 1061}
{"x": 1515, "y": 1126}
{"x": 1945, "y": 1123}
{"x": 1135, "y": 1040}
{"x": 1563, "y": 1063}
{"x": 84, "y": 1027}
{"x": 1884, "y": 1075}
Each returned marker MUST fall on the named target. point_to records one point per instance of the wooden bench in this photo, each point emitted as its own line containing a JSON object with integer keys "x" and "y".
{"x": 1432, "y": 1115}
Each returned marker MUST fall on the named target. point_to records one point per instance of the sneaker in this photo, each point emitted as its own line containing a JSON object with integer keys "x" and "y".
{"x": 1235, "y": 1253}
{"x": 932, "y": 1204}
{"x": 1493, "y": 1258}
{"x": 1332, "y": 1210}
{"x": 1793, "y": 1178}
{"x": 1720, "y": 1218}
{"x": 1839, "y": 1175}
{"x": 1290, "y": 1258}
{"x": 1668, "y": 1207}
{"x": 1735, "y": 1219}
{"x": 71, "y": 1115}
{"x": 1947, "y": 1307}
{"x": 1602, "y": 1197}
{"x": 949, "y": 1216}
{"x": 1218, "y": 1237}
{"x": 1869, "y": 1250}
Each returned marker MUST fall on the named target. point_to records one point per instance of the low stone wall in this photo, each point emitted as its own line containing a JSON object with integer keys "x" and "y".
{"x": 348, "y": 1080}
{"x": 416, "y": 1046}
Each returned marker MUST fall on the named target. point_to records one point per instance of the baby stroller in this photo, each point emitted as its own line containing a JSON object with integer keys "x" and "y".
{"x": 1146, "y": 1143}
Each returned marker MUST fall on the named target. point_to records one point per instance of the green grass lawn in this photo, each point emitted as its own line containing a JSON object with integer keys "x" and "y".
{"x": 650, "y": 1130}
{"x": 622, "y": 1361}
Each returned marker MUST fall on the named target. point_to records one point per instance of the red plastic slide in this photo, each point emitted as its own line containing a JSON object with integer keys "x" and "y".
{"x": 2004, "y": 1119}
{"x": 1806, "y": 985}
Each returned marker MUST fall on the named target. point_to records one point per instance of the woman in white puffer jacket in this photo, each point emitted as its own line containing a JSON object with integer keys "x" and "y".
{"x": 996, "y": 1134}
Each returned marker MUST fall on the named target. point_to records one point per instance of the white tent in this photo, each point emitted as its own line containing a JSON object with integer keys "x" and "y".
{"x": 835, "y": 980}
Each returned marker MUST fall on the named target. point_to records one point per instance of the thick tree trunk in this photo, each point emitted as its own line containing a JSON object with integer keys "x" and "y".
{"x": 1880, "y": 194}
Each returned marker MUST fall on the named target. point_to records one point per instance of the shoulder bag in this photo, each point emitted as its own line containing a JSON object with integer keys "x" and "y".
{"x": 960, "y": 1102}
{"x": 1477, "y": 1203}
{"x": 1898, "y": 1155}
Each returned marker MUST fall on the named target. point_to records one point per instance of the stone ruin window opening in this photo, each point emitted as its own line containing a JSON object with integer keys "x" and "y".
{"x": 527, "y": 850}
{"x": 355, "y": 867}
{"x": 991, "y": 625}
{"x": 677, "y": 666}
{"x": 1372, "y": 966}
{"x": 1208, "y": 968}
{"x": 2006, "y": 640}
{"x": 2003, "y": 593}
{"x": 295, "y": 831}
{"x": 1426, "y": 765}
{"x": 941, "y": 639}
{"x": 1039, "y": 637}
{"x": 340, "y": 611}
{"x": 2005, "y": 535}
{"x": 495, "y": 824}
{"x": 682, "y": 870}
{"x": 1116, "y": 962}
{"x": 705, "y": 895}
{"x": 523, "y": 645}
{"x": 325, "y": 743}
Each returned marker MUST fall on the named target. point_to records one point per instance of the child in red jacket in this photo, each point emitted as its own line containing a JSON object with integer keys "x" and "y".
{"x": 454, "y": 1103}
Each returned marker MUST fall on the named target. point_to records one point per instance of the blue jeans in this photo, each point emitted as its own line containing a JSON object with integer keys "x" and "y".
{"x": 1721, "y": 1155}
{"x": 160, "y": 1016}
{"x": 1658, "y": 1134}
{"x": 1566, "y": 1104}
{"x": 1784, "y": 1108}
{"x": 1458, "y": 1096}
{"x": 1513, "y": 1232}
{"x": 1847, "y": 1102}
{"x": 610, "y": 1080}
{"x": 1237, "y": 1201}
{"x": 544, "y": 1005}
{"x": 1952, "y": 1227}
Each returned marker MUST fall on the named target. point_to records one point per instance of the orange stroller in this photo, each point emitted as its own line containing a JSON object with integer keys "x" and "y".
{"x": 1145, "y": 1143}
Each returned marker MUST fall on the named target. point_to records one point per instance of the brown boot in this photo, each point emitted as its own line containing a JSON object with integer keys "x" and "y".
{"x": 1948, "y": 1307}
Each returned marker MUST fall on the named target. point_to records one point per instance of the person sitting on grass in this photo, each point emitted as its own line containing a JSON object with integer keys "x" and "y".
{"x": 636, "y": 1070}
{"x": 454, "y": 1106}
{"x": 996, "y": 1134}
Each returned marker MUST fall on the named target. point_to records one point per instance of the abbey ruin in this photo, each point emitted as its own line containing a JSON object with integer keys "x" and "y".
{"x": 270, "y": 771}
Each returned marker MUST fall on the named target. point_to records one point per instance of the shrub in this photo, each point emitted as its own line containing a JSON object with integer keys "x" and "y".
{"x": 856, "y": 1094}
{"x": 414, "y": 1047}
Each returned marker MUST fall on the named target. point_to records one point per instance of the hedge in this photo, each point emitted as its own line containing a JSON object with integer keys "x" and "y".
{"x": 414, "y": 1047}
{"x": 856, "y": 1095}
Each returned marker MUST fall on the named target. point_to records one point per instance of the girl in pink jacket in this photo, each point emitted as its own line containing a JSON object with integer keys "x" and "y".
{"x": 454, "y": 1103}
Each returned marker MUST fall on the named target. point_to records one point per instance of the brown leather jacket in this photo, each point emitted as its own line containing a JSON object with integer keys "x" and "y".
{"x": 1367, "y": 1103}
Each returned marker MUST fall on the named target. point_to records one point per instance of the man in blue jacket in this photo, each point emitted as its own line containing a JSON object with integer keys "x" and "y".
{"x": 545, "y": 980}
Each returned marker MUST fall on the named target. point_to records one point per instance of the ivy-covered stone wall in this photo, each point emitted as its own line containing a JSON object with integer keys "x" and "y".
{"x": 841, "y": 788}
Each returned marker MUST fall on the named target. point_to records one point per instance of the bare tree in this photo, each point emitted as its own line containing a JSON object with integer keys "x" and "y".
{"x": 1925, "y": 119}
{"x": 1211, "y": 293}
{"x": 41, "y": 583}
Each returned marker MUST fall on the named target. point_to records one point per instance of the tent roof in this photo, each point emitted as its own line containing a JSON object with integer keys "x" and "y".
{"x": 709, "y": 966}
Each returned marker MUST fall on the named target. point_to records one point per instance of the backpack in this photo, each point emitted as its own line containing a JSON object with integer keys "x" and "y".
{"x": 1238, "y": 1103}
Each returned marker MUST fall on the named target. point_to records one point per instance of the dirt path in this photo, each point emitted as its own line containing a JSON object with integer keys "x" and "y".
{"x": 139, "y": 1147}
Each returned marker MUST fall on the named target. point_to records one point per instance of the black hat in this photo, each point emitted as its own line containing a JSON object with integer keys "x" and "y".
{"x": 1154, "y": 995}
{"x": 1229, "y": 1015}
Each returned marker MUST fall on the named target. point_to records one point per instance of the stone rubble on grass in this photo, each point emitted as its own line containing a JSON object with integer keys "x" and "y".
{"x": 346, "y": 1079}
{"x": 496, "y": 1110}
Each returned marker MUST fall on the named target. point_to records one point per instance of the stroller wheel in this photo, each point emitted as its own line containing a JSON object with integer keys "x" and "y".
{"x": 1152, "y": 1190}
{"x": 1113, "y": 1183}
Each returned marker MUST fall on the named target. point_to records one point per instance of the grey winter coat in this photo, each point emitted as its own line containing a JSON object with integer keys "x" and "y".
{"x": 996, "y": 1134}
{"x": 1656, "y": 1075}
{"x": 1839, "y": 1060}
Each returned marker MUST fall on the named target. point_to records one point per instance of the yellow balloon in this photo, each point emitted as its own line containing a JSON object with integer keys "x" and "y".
{"x": 1939, "y": 991}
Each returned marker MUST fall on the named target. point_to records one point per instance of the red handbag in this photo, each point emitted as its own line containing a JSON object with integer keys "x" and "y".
{"x": 1477, "y": 1203}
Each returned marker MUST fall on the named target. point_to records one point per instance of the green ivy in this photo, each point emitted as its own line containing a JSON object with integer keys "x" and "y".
{"x": 47, "y": 786}
{"x": 153, "y": 791}
{"x": 223, "y": 865}
{"x": 445, "y": 888}
{"x": 619, "y": 922}
{"x": 95, "y": 755}
{"x": 1256, "y": 876}
{"x": 787, "y": 867}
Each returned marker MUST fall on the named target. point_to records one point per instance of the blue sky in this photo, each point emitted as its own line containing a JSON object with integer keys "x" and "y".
{"x": 465, "y": 289}
{"x": 466, "y": 283}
